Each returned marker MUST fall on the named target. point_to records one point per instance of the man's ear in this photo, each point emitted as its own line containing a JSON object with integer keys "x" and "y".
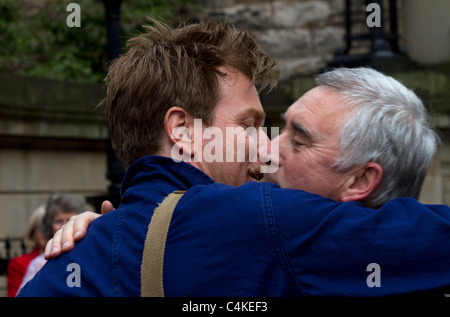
{"x": 362, "y": 182}
{"x": 179, "y": 128}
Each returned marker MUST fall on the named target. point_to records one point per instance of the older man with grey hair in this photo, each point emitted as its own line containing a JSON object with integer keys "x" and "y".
{"x": 358, "y": 136}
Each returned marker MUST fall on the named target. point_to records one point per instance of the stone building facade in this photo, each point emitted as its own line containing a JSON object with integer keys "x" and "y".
{"x": 301, "y": 35}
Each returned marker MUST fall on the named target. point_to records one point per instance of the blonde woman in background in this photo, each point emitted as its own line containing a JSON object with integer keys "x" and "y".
{"x": 35, "y": 241}
{"x": 59, "y": 209}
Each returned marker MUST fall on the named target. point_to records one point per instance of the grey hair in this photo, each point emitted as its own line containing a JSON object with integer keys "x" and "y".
{"x": 389, "y": 125}
{"x": 59, "y": 202}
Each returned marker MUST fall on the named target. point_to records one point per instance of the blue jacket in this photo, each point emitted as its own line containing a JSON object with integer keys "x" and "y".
{"x": 253, "y": 240}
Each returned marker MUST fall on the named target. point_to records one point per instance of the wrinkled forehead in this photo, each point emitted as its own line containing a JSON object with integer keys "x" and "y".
{"x": 322, "y": 102}
{"x": 321, "y": 110}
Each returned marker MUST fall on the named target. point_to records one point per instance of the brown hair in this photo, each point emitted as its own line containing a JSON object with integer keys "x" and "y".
{"x": 167, "y": 67}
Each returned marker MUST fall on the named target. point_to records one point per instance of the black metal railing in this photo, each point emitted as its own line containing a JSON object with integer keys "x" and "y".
{"x": 10, "y": 248}
{"x": 384, "y": 42}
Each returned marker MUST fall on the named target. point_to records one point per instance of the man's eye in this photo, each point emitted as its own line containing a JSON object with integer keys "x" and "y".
{"x": 247, "y": 125}
{"x": 296, "y": 143}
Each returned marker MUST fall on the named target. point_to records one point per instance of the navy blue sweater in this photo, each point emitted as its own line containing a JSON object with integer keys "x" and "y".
{"x": 253, "y": 240}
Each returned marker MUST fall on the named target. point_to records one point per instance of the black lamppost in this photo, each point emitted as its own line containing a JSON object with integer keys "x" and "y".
{"x": 115, "y": 171}
{"x": 379, "y": 36}
{"x": 112, "y": 15}
{"x": 115, "y": 168}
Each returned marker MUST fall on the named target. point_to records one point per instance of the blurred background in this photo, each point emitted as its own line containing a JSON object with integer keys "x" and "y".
{"x": 52, "y": 137}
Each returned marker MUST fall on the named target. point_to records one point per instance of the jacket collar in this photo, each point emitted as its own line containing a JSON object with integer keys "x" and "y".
{"x": 164, "y": 171}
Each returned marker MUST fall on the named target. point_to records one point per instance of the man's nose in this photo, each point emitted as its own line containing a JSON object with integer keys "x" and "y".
{"x": 264, "y": 147}
{"x": 270, "y": 156}
{"x": 275, "y": 151}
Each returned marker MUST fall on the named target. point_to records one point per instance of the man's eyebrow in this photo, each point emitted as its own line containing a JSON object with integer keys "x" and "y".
{"x": 302, "y": 130}
{"x": 298, "y": 128}
{"x": 258, "y": 114}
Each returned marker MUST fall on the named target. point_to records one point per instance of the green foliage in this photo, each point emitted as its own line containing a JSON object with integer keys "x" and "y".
{"x": 36, "y": 40}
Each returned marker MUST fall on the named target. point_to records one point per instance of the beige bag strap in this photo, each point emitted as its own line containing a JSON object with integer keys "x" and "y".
{"x": 155, "y": 244}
